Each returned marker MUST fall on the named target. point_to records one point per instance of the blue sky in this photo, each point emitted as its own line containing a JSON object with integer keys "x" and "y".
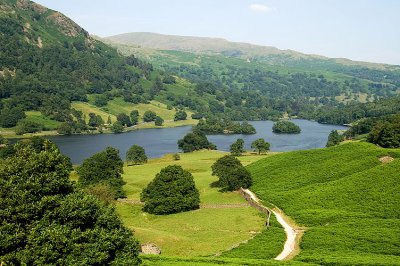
{"x": 364, "y": 30}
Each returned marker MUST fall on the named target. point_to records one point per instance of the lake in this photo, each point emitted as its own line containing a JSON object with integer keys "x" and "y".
{"x": 160, "y": 141}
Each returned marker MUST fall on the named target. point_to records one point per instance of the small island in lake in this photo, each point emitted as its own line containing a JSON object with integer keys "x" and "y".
{"x": 286, "y": 127}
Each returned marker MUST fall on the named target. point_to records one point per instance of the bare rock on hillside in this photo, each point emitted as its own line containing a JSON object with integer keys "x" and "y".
{"x": 150, "y": 248}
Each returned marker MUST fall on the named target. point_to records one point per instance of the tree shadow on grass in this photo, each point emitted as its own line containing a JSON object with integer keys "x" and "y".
{"x": 217, "y": 184}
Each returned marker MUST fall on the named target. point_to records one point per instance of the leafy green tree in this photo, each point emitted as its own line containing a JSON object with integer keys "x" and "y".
{"x": 26, "y": 126}
{"x": 193, "y": 141}
{"x": 149, "y": 116}
{"x": 117, "y": 127}
{"x": 180, "y": 115}
{"x": 134, "y": 117}
{"x": 95, "y": 120}
{"x": 287, "y": 127}
{"x": 334, "y": 138}
{"x": 231, "y": 173}
{"x": 10, "y": 117}
{"x": 124, "y": 119}
{"x": 100, "y": 100}
{"x": 136, "y": 155}
{"x": 105, "y": 168}
{"x": 386, "y": 133}
{"x": 173, "y": 190}
{"x": 65, "y": 129}
{"x": 237, "y": 148}
{"x": 260, "y": 145}
{"x": 159, "y": 121}
{"x": 45, "y": 222}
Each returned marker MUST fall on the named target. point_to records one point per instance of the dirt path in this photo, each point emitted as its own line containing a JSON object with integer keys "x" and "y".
{"x": 293, "y": 235}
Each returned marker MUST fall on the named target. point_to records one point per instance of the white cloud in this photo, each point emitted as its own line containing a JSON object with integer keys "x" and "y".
{"x": 259, "y": 8}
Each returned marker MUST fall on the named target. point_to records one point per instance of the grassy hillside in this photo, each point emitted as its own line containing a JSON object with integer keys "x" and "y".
{"x": 223, "y": 221}
{"x": 344, "y": 195}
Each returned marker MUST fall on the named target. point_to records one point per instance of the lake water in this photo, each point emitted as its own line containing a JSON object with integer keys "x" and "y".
{"x": 160, "y": 141}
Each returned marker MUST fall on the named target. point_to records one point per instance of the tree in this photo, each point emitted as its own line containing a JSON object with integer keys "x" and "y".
{"x": 173, "y": 190}
{"x": 193, "y": 141}
{"x": 136, "y": 155}
{"x": 124, "y": 119}
{"x": 95, "y": 120}
{"x": 334, "y": 138}
{"x": 149, "y": 116}
{"x": 27, "y": 126}
{"x": 159, "y": 121}
{"x": 134, "y": 117}
{"x": 65, "y": 129}
{"x": 386, "y": 133}
{"x": 109, "y": 120}
{"x": 45, "y": 221}
{"x": 10, "y": 117}
{"x": 260, "y": 145}
{"x": 117, "y": 127}
{"x": 105, "y": 168}
{"x": 231, "y": 173}
{"x": 180, "y": 115}
{"x": 286, "y": 127}
{"x": 237, "y": 148}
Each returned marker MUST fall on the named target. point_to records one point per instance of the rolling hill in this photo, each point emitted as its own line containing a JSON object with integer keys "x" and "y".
{"x": 347, "y": 196}
{"x": 206, "y": 45}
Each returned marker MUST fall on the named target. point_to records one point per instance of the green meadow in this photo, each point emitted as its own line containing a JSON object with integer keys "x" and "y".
{"x": 223, "y": 221}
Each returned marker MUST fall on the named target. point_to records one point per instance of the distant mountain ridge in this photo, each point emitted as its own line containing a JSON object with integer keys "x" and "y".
{"x": 222, "y": 46}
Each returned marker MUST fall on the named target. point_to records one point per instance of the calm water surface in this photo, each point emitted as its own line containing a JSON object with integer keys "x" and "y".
{"x": 160, "y": 141}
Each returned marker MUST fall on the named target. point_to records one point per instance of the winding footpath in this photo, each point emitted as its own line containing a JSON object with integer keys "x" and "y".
{"x": 293, "y": 235}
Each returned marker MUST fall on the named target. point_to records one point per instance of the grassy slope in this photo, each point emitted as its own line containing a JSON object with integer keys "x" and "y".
{"x": 344, "y": 195}
{"x": 206, "y": 231}
{"x": 118, "y": 105}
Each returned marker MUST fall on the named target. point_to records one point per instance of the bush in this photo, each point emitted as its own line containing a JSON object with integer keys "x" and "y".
{"x": 195, "y": 141}
{"x": 231, "y": 173}
{"x": 136, "y": 155}
{"x": 176, "y": 156}
{"x": 103, "y": 168}
{"x": 286, "y": 127}
{"x": 173, "y": 190}
{"x": 65, "y": 129}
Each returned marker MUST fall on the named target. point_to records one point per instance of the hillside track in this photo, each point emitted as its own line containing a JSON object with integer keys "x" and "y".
{"x": 293, "y": 233}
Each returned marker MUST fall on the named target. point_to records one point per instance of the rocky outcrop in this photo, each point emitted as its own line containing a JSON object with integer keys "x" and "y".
{"x": 150, "y": 248}
{"x": 67, "y": 26}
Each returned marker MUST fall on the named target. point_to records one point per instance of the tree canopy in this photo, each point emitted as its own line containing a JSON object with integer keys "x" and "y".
{"x": 286, "y": 127}
{"x": 237, "y": 148}
{"x": 104, "y": 167}
{"x": 260, "y": 145}
{"x": 231, "y": 173}
{"x": 194, "y": 141}
{"x": 136, "y": 155}
{"x": 334, "y": 138}
{"x": 45, "y": 221}
{"x": 173, "y": 190}
{"x": 386, "y": 133}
